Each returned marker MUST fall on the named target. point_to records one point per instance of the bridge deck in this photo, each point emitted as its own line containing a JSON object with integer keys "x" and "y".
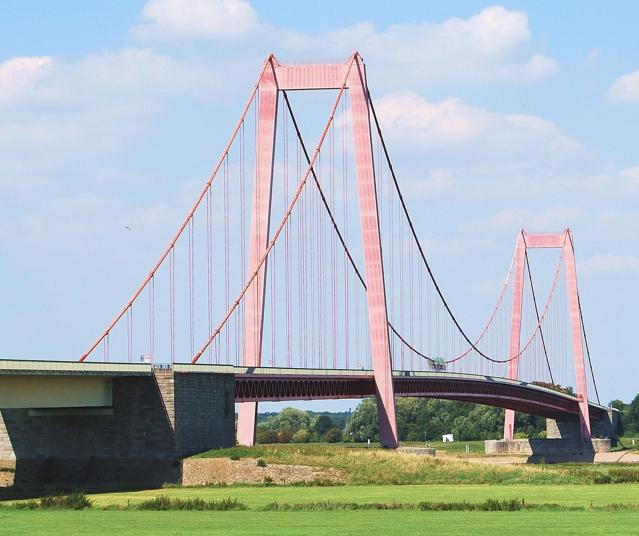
{"x": 280, "y": 384}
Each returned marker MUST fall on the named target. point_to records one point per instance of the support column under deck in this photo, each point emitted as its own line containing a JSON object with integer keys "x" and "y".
{"x": 260, "y": 219}
{"x": 515, "y": 328}
{"x": 375, "y": 290}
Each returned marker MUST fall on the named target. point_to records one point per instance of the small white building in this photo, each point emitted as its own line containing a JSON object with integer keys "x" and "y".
{"x": 448, "y": 438}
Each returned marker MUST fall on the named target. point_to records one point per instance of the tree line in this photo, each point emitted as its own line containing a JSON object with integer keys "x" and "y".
{"x": 628, "y": 416}
{"x": 418, "y": 419}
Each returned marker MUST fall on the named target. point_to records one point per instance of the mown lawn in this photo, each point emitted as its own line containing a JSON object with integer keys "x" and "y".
{"x": 70, "y": 523}
{"x": 256, "y": 497}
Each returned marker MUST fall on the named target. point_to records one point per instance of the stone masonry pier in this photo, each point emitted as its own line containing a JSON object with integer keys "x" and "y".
{"x": 154, "y": 418}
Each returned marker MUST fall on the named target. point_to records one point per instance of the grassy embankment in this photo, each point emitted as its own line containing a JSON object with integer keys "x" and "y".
{"x": 377, "y": 466}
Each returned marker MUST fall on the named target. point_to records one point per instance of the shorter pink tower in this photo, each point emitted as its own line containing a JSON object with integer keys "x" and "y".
{"x": 564, "y": 242}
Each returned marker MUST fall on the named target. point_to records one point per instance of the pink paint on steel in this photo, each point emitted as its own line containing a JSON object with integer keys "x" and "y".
{"x": 374, "y": 269}
{"x": 307, "y": 77}
{"x": 281, "y": 225}
{"x": 545, "y": 240}
{"x": 246, "y": 431}
{"x": 515, "y": 327}
{"x": 577, "y": 340}
{"x": 311, "y": 76}
{"x": 258, "y": 241}
{"x": 186, "y": 221}
{"x": 564, "y": 242}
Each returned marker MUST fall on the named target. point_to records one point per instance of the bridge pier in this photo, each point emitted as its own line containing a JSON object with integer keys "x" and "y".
{"x": 153, "y": 420}
{"x": 564, "y": 429}
{"x": 564, "y": 441}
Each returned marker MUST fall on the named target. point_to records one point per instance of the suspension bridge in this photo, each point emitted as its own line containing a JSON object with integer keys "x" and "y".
{"x": 299, "y": 274}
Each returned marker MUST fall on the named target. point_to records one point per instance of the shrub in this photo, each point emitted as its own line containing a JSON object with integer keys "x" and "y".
{"x": 602, "y": 479}
{"x": 489, "y": 505}
{"x": 284, "y": 436}
{"x": 260, "y": 462}
{"x": 75, "y": 501}
{"x": 266, "y": 436}
{"x": 163, "y": 502}
{"x": 268, "y": 480}
{"x": 302, "y": 436}
{"x": 27, "y": 505}
{"x": 333, "y": 435}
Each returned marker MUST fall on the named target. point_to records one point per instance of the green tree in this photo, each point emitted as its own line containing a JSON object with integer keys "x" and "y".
{"x": 322, "y": 424}
{"x": 284, "y": 436}
{"x": 623, "y": 410}
{"x": 302, "y": 436}
{"x": 264, "y": 435}
{"x": 632, "y": 417}
{"x": 332, "y": 435}
{"x": 420, "y": 419}
{"x": 362, "y": 425}
{"x": 289, "y": 419}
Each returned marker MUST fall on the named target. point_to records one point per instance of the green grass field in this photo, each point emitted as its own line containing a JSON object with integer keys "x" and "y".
{"x": 256, "y": 497}
{"x": 255, "y": 521}
{"x": 70, "y": 523}
{"x": 370, "y": 475}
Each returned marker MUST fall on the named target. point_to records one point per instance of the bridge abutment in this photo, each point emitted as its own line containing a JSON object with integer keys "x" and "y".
{"x": 605, "y": 428}
{"x": 154, "y": 420}
{"x": 550, "y": 450}
{"x": 563, "y": 441}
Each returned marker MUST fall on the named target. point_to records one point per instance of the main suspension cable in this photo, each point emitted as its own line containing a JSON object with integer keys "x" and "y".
{"x": 354, "y": 265}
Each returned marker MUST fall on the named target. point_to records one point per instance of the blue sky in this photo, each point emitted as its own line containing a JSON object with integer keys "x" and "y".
{"x": 499, "y": 117}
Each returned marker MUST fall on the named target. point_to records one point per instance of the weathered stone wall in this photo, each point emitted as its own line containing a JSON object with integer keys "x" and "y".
{"x": 154, "y": 421}
{"x": 204, "y": 412}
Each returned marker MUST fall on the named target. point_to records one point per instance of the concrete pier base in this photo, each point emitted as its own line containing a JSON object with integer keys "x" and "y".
{"x": 549, "y": 450}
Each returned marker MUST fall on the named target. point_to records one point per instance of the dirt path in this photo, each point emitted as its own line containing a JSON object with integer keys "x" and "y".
{"x": 200, "y": 471}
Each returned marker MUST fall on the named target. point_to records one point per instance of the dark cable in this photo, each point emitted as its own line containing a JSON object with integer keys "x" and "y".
{"x": 334, "y": 223}
{"x": 412, "y": 229}
{"x": 583, "y": 329}
{"x": 532, "y": 289}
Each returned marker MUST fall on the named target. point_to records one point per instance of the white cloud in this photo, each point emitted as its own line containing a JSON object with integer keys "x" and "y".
{"x": 625, "y": 88}
{"x": 492, "y": 154}
{"x": 610, "y": 264}
{"x": 18, "y": 74}
{"x": 437, "y": 181}
{"x": 198, "y": 18}
{"x": 449, "y": 121}
{"x": 630, "y": 178}
{"x": 451, "y": 124}
{"x": 555, "y": 218}
{"x": 95, "y": 104}
{"x": 491, "y": 45}
{"x": 495, "y": 44}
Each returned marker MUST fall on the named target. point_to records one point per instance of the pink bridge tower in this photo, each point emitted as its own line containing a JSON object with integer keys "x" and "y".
{"x": 564, "y": 242}
{"x": 351, "y": 75}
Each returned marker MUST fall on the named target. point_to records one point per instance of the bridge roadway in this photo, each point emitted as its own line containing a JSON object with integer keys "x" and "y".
{"x": 38, "y": 384}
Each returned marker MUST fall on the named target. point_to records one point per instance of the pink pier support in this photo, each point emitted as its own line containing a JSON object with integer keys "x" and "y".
{"x": 564, "y": 242}
{"x": 312, "y": 77}
{"x": 260, "y": 220}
